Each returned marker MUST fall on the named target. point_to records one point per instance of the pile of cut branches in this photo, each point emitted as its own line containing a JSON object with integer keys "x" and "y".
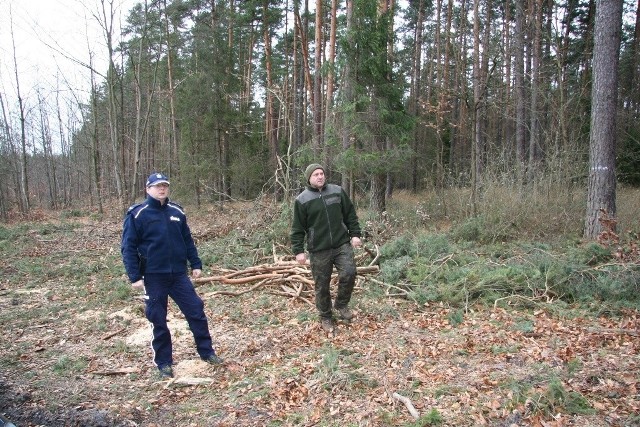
{"x": 282, "y": 277}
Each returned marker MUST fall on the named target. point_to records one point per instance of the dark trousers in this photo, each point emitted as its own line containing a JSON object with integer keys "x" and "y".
{"x": 158, "y": 287}
{"x": 322, "y": 264}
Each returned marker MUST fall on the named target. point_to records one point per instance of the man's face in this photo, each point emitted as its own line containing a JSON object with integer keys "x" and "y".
{"x": 317, "y": 178}
{"x": 159, "y": 191}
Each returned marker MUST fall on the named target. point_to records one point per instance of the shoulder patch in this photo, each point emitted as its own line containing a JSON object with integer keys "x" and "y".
{"x": 136, "y": 209}
{"x": 133, "y": 207}
{"x": 306, "y": 196}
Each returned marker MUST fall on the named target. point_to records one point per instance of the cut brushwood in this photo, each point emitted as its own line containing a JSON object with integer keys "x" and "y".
{"x": 286, "y": 278}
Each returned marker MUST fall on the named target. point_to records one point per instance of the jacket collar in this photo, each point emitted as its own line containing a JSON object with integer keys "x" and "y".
{"x": 156, "y": 203}
{"x": 317, "y": 190}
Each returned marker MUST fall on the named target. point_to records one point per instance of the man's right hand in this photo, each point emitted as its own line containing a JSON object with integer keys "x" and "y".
{"x": 138, "y": 285}
{"x": 301, "y": 258}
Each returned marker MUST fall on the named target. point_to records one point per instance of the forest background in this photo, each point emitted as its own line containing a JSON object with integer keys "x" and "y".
{"x": 233, "y": 99}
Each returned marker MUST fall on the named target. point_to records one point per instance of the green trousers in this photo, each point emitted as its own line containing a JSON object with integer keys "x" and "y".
{"x": 322, "y": 264}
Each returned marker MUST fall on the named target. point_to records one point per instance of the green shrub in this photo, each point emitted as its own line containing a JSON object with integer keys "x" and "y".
{"x": 424, "y": 293}
{"x": 456, "y": 317}
{"x": 469, "y": 230}
{"x": 411, "y": 258}
{"x": 72, "y": 213}
{"x": 432, "y": 246}
{"x": 66, "y": 365}
{"x": 5, "y": 233}
{"x": 556, "y": 399}
{"x": 396, "y": 248}
{"x": 485, "y": 230}
{"x": 616, "y": 284}
{"x": 394, "y": 270}
{"x": 432, "y": 268}
{"x": 431, "y": 418}
{"x": 591, "y": 254}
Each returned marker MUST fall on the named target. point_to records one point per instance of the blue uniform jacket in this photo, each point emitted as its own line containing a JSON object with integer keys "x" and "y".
{"x": 157, "y": 239}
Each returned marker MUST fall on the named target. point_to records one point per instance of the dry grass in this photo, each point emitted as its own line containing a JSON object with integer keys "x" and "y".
{"x": 543, "y": 212}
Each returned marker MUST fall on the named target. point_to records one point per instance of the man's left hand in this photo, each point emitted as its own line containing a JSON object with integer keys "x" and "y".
{"x": 196, "y": 273}
{"x": 356, "y": 242}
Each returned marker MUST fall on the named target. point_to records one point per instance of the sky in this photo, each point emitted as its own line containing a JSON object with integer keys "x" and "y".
{"x": 51, "y": 38}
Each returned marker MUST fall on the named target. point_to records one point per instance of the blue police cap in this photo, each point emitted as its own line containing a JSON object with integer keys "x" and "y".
{"x": 157, "y": 178}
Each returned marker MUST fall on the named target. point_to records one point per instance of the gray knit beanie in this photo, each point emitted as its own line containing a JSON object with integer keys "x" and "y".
{"x": 309, "y": 170}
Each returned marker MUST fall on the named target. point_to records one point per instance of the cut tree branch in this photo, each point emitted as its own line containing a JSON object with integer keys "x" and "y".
{"x": 407, "y": 402}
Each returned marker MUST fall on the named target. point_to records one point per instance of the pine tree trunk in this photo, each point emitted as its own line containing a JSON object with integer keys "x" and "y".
{"x": 415, "y": 91}
{"x": 520, "y": 93}
{"x": 536, "y": 61}
{"x": 348, "y": 91}
{"x": 478, "y": 148}
{"x": 330, "y": 73}
{"x": 601, "y": 197}
{"x": 270, "y": 114}
{"x": 318, "y": 140}
{"x": 174, "y": 157}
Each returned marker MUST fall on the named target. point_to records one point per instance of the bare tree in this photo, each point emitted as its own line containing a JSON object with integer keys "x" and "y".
{"x": 635, "y": 77}
{"x": 95, "y": 139}
{"x": 24, "y": 180}
{"x": 601, "y": 197}
{"x": 8, "y": 168}
{"x": 143, "y": 112}
{"x": 47, "y": 152}
{"x": 299, "y": 72}
{"x": 107, "y": 22}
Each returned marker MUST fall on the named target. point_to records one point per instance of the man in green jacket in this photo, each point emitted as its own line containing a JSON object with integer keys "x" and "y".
{"x": 324, "y": 215}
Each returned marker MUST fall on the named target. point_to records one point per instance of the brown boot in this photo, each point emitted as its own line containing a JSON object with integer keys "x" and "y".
{"x": 345, "y": 313}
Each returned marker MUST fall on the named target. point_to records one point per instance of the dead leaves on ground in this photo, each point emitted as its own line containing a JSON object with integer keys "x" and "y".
{"x": 488, "y": 369}
{"x": 496, "y": 367}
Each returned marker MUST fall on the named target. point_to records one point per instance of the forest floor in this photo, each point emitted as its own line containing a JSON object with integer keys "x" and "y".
{"x": 75, "y": 351}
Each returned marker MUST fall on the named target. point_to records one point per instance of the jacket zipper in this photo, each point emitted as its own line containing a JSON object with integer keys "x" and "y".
{"x": 326, "y": 211}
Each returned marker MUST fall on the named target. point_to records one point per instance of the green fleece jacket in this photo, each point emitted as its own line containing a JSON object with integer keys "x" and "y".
{"x": 326, "y": 217}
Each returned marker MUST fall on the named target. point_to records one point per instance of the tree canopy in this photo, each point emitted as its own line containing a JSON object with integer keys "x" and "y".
{"x": 234, "y": 98}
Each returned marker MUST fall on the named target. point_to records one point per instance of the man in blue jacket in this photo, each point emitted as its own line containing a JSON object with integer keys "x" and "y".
{"x": 324, "y": 217}
{"x": 156, "y": 246}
